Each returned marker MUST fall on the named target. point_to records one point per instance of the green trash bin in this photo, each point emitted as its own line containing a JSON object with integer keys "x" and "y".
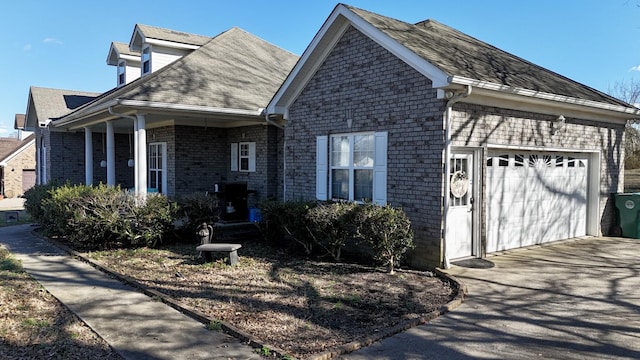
{"x": 627, "y": 213}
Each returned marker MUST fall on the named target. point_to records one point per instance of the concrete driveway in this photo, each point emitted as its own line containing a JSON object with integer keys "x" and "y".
{"x": 579, "y": 299}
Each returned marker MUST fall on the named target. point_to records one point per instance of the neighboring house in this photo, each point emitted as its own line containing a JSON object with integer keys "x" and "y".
{"x": 484, "y": 151}
{"x": 56, "y": 154}
{"x": 17, "y": 166}
{"x": 193, "y": 119}
{"x": 20, "y": 124}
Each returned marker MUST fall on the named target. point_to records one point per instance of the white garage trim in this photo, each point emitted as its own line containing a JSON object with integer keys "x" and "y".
{"x": 534, "y": 197}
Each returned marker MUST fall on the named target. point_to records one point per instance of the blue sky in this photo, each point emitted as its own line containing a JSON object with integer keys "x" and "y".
{"x": 64, "y": 43}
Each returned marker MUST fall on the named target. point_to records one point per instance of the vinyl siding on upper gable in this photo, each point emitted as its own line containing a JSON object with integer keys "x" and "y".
{"x": 132, "y": 72}
{"x": 163, "y": 56}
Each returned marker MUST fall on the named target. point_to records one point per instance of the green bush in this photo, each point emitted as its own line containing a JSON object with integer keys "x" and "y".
{"x": 331, "y": 225}
{"x": 379, "y": 232}
{"x": 387, "y": 230}
{"x": 198, "y": 208}
{"x": 33, "y": 201}
{"x": 285, "y": 224}
{"x": 104, "y": 216}
{"x": 60, "y": 206}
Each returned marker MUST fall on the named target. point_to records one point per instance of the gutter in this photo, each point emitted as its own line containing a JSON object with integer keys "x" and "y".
{"x": 156, "y": 106}
{"x": 536, "y": 97}
{"x": 453, "y": 98}
{"x": 284, "y": 154}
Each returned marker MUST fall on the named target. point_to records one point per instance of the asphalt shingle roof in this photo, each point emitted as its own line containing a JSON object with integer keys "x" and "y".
{"x": 172, "y": 35}
{"x": 234, "y": 70}
{"x": 10, "y": 145}
{"x": 458, "y": 54}
{"x": 53, "y": 103}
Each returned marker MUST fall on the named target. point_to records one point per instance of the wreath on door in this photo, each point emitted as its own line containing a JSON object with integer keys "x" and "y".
{"x": 459, "y": 184}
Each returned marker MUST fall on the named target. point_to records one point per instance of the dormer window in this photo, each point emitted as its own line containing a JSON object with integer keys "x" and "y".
{"x": 122, "y": 77}
{"x": 146, "y": 60}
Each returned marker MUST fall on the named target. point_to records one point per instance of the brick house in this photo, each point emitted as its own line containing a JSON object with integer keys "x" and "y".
{"x": 17, "y": 165}
{"x": 56, "y": 152}
{"x": 191, "y": 118}
{"x": 482, "y": 149}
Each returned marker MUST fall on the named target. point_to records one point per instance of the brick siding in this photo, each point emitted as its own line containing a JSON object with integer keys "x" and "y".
{"x": 382, "y": 93}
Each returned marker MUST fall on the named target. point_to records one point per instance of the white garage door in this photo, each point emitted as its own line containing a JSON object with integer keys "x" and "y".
{"x": 535, "y": 197}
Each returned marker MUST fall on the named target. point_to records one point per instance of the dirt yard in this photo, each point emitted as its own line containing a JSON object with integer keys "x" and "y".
{"x": 301, "y": 306}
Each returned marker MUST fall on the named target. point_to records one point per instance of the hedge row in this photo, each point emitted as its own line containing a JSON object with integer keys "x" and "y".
{"x": 100, "y": 216}
{"x": 329, "y": 228}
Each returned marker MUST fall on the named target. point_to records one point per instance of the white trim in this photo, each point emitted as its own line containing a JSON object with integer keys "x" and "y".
{"x": 539, "y": 148}
{"x": 322, "y": 44}
{"x": 488, "y": 93}
{"x": 170, "y": 44}
{"x": 146, "y": 47}
{"x": 196, "y": 109}
{"x": 162, "y": 150}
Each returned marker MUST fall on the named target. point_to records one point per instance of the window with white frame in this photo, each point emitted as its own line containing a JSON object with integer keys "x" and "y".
{"x": 243, "y": 157}
{"x": 157, "y": 164}
{"x": 356, "y": 167}
{"x": 122, "y": 68}
{"x": 146, "y": 60}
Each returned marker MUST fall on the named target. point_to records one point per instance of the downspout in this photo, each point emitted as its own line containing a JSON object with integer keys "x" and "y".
{"x": 453, "y": 98}
{"x": 284, "y": 154}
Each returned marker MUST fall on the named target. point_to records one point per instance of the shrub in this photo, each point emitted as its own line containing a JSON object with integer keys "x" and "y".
{"x": 387, "y": 230}
{"x": 59, "y": 207}
{"x": 331, "y": 225}
{"x": 198, "y": 208}
{"x": 285, "y": 222}
{"x": 34, "y": 198}
{"x": 104, "y": 216}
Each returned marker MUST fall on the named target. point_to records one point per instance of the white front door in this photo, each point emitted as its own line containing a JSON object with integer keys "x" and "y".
{"x": 460, "y": 215}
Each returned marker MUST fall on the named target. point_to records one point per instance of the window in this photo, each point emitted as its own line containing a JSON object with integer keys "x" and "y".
{"x": 243, "y": 157}
{"x": 146, "y": 60}
{"x": 157, "y": 181}
{"x": 356, "y": 167}
{"x": 122, "y": 78}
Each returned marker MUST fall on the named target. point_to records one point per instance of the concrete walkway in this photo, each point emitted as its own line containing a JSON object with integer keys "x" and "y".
{"x": 577, "y": 299}
{"x": 135, "y": 325}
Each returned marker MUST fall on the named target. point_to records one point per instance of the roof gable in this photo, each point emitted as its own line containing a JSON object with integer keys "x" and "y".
{"x": 10, "y": 147}
{"x": 119, "y": 51}
{"x": 235, "y": 70}
{"x": 448, "y": 57}
{"x": 47, "y": 103}
{"x": 154, "y": 35}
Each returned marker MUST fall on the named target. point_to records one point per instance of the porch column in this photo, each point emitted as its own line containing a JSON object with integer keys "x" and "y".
{"x": 88, "y": 156}
{"x": 111, "y": 155}
{"x": 141, "y": 156}
{"x": 135, "y": 155}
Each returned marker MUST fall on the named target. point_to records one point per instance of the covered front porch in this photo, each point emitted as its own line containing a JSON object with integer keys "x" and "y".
{"x": 176, "y": 151}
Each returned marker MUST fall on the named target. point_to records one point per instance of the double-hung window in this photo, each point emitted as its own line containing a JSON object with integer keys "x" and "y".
{"x": 356, "y": 167}
{"x": 157, "y": 165}
{"x": 122, "y": 74}
{"x": 243, "y": 157}
{"x": 146, "y": 60}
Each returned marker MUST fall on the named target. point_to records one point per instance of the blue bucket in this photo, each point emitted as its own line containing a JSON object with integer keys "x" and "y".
{"x": 255, "y": 215}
